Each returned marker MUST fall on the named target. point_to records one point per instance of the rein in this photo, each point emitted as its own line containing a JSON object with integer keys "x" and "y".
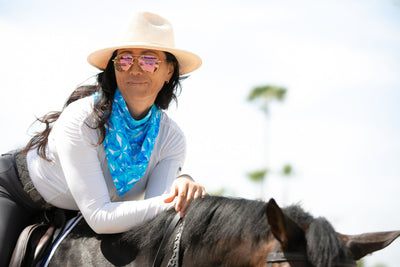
{"x": 170, "y": 230}
{"x": 277, "y": 257}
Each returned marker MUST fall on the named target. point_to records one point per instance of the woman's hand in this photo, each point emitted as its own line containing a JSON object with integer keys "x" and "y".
{"x": 185, "y": 189}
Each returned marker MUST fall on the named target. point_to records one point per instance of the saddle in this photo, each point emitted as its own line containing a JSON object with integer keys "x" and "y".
{"x": 37, "y": 239}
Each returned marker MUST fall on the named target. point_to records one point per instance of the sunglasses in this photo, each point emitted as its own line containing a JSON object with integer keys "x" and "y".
{"x": 147, "y": 63}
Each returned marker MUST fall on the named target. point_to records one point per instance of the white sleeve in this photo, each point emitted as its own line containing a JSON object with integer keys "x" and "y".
{"x": 173, "y": 157}
{"x": 82, "y": 169}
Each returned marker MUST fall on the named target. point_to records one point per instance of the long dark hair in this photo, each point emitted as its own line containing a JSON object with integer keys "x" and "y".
{"x": 106, "y": 86}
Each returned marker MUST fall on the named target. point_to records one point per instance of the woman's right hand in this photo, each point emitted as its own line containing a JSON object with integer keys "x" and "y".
{"x": 185, "y": 189}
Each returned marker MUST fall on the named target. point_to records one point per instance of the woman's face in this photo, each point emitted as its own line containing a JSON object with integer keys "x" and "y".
{"x": 135, "y": 84}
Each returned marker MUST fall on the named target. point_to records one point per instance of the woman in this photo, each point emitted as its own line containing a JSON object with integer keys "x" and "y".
{"x": 110, "y": 145}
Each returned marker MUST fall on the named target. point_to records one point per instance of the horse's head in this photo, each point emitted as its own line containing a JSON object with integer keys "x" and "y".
{"x": 316, "y": 243}
{"x": 220, "y": 231}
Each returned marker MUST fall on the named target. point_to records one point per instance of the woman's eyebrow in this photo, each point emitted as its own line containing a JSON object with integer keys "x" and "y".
{"x": 149, "y": 51}
{"x": 125, "y": 52}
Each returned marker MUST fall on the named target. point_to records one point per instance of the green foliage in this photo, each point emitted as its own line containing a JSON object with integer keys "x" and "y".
{"x": 362, "y": 263}
{"x": 287, "y": 170}
{"x": 258, "y": 175}
{"x": 219, "y": 192}
{"x": 266, "y": 94}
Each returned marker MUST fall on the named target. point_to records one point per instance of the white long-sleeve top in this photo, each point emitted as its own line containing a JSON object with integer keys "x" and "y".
{"x": 78, "y": 177}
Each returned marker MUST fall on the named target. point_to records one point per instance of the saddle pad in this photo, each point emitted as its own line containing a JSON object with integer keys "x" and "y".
{"x": 68, "y": 228}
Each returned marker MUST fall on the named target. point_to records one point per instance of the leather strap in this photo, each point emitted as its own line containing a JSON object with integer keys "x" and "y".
{"x": 171, "y": 227}
{"x": 21, "y": 249}
{"x": 174, "y": 259}
{"x": 36, "y": 239}
{"x": 286, "y": 256}
{"x": 44, "y": 242}
{"x": 276, "y": 257}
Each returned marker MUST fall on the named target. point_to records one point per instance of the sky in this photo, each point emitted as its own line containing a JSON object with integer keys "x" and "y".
{"x": 338, "y": 125}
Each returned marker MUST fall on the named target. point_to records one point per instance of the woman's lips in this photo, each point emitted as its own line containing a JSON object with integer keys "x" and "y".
{"x": 136, "y": 82}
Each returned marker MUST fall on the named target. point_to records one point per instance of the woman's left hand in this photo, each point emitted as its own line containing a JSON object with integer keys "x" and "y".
{"x": 185, "y": 189}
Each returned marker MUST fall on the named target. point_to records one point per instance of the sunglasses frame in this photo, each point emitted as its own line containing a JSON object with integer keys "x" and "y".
{"x": 118, "y": 67}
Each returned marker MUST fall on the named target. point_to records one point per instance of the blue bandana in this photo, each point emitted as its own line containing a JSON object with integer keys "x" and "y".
{"x": 129, "y": 143}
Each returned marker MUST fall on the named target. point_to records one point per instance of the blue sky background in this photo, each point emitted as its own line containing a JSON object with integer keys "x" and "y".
{"x": 339, "y": 125}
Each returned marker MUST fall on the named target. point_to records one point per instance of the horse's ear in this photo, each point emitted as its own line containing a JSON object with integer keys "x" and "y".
{"x": 363, "y": 244}
{"x": 285, "y": 230}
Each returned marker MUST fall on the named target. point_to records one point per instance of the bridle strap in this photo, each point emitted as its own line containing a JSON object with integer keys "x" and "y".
{"x": 174, "y": 260}
{"x": 168, "y": 233}
{"x": 276, "y": 257}
{"x": 286, "y": 256}
{"x": 346, "y": 263}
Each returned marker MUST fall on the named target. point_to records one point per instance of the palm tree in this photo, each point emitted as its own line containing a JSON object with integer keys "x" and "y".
{"x": 263, "y": 96}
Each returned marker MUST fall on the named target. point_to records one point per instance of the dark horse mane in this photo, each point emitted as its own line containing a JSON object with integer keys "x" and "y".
{"x": 212, "y": 220}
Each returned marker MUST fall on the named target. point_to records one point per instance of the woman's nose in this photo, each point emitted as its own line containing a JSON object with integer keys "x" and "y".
{"x": 135, "y": 68}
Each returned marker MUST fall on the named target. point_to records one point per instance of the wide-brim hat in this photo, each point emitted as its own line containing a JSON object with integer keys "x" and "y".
{"x": 148, "y": 31}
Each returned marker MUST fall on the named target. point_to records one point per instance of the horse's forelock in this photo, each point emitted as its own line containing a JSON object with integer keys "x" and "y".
{"x": 323, "y": 244}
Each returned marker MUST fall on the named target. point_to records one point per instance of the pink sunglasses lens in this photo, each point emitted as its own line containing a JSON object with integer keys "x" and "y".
{"x": 124, "y": 63}
{"x": 149, "y": 63}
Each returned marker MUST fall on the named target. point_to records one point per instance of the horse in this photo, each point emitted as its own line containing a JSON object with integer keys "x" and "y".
{"x": 223, "y": 231}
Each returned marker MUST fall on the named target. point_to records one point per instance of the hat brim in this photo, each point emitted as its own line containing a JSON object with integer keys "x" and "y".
{"x": 188, "y": 61}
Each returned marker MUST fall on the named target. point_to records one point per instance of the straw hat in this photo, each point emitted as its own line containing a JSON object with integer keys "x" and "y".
{"x": 148, "y": 30}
